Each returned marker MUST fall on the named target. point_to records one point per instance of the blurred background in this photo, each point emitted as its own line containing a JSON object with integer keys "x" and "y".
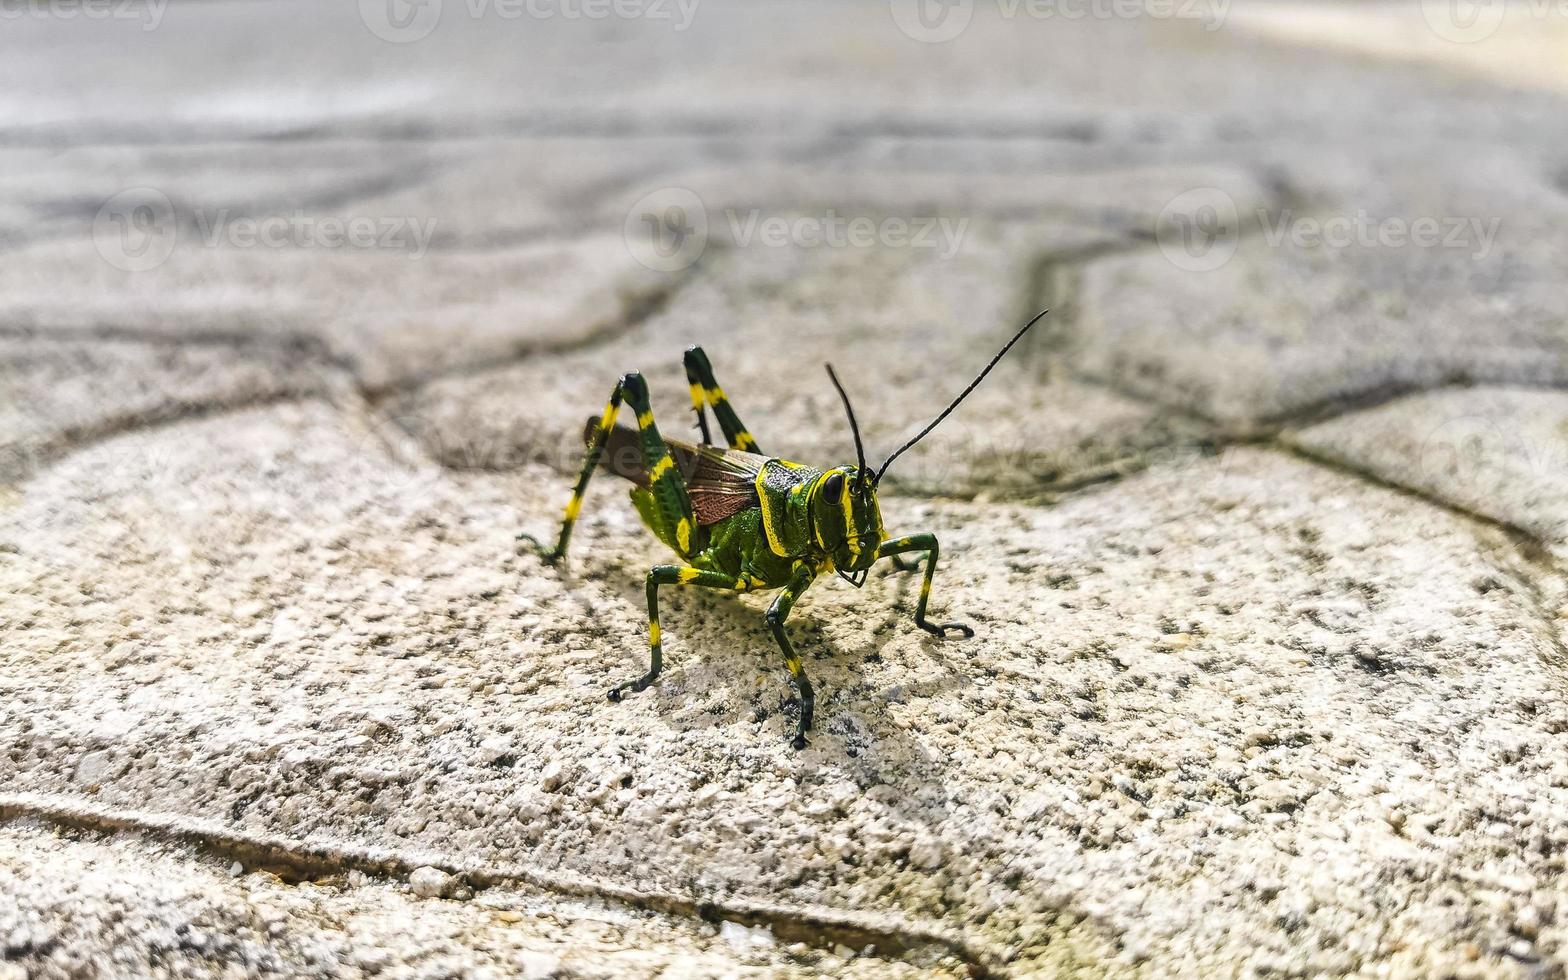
{"x": 213, "y": 203}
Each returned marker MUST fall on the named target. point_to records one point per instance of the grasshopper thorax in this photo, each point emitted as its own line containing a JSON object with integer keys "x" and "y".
{"x": 846, "y": 521}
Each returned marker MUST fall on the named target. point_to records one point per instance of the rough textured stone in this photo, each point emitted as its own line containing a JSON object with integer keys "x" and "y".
{"x": 1289, "y": 325}
{"x": 1495, "y": 451}
{"x": 58, "y": 393}
{"x": 106, "y": 907}
{"x": 60, "y": 191}
{"x": 1297, "y": 700}
{"x": 390, "y": 313}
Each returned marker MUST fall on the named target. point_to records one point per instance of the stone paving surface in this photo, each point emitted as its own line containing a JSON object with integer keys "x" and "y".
{"x": 1261, "y": 530}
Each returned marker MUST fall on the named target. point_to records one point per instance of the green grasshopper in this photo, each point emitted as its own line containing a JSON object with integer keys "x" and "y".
{"x": 745, "y": 521}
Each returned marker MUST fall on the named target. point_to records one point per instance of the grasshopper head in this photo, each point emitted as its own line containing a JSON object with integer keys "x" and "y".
{"x": 844, "y": 512}
{"x": 847, "y": 521}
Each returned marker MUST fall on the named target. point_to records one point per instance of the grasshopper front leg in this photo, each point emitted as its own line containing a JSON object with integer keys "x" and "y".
{"x": 926, "y": 543}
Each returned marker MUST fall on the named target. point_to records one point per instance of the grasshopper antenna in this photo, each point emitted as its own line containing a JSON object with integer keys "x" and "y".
{"x": 854, "y": 427}
{"x": 949, "y": 409}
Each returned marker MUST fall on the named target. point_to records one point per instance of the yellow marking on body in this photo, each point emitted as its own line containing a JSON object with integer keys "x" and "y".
{"x": 689, "y": 575}
{"x": 788, "y": 465}
{"x": 715, "y": 394}
{"x": 766, "y": 503}
{"x": 793, "y": 663}
{"x": 850, "y": 538}
{"x": 696, "y": 394}
{"x": 683, "y": 534}
{"x": 740, "y": 585}
{"x": 607, "y": 417}
{"x": 745, "y": 440}
{"x": 663, "y": 466}
{"x": 653, "y": 634}
{"x": 816, "y": 530}
{"x": 573, "y": 506}
{"x": 645, "y": 419}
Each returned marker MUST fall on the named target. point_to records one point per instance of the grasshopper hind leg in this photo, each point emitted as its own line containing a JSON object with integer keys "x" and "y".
{"x": 671, "y": 505}
{"x": 705, "y": 391}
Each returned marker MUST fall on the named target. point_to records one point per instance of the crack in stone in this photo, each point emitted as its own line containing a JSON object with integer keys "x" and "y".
{"x": 889, "y": 935}
{"x": 370, "y": 187}
{"x": 636, "y": 308}
{"x": 20, "y": 462}
{"x": 1054, "y": 281}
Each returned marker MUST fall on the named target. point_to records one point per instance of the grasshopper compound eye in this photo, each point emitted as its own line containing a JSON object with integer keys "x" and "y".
{"x": 833, "y": 486}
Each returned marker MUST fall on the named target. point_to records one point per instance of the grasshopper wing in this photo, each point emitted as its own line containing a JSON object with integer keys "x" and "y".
{"x": 721, "y": 482}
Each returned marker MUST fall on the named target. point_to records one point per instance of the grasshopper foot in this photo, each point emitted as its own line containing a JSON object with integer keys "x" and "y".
{"x": 799, "y": 741}
{"x": 546, "y": 554}
{"x": 939, "y": 630}
{"x": 630, "y": 687}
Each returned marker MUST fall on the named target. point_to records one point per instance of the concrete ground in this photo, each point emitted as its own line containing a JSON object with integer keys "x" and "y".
{"x": 1262, "y": 530}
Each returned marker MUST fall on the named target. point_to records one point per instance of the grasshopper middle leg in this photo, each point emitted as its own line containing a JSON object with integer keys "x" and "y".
{"x": 670, "y": 575}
